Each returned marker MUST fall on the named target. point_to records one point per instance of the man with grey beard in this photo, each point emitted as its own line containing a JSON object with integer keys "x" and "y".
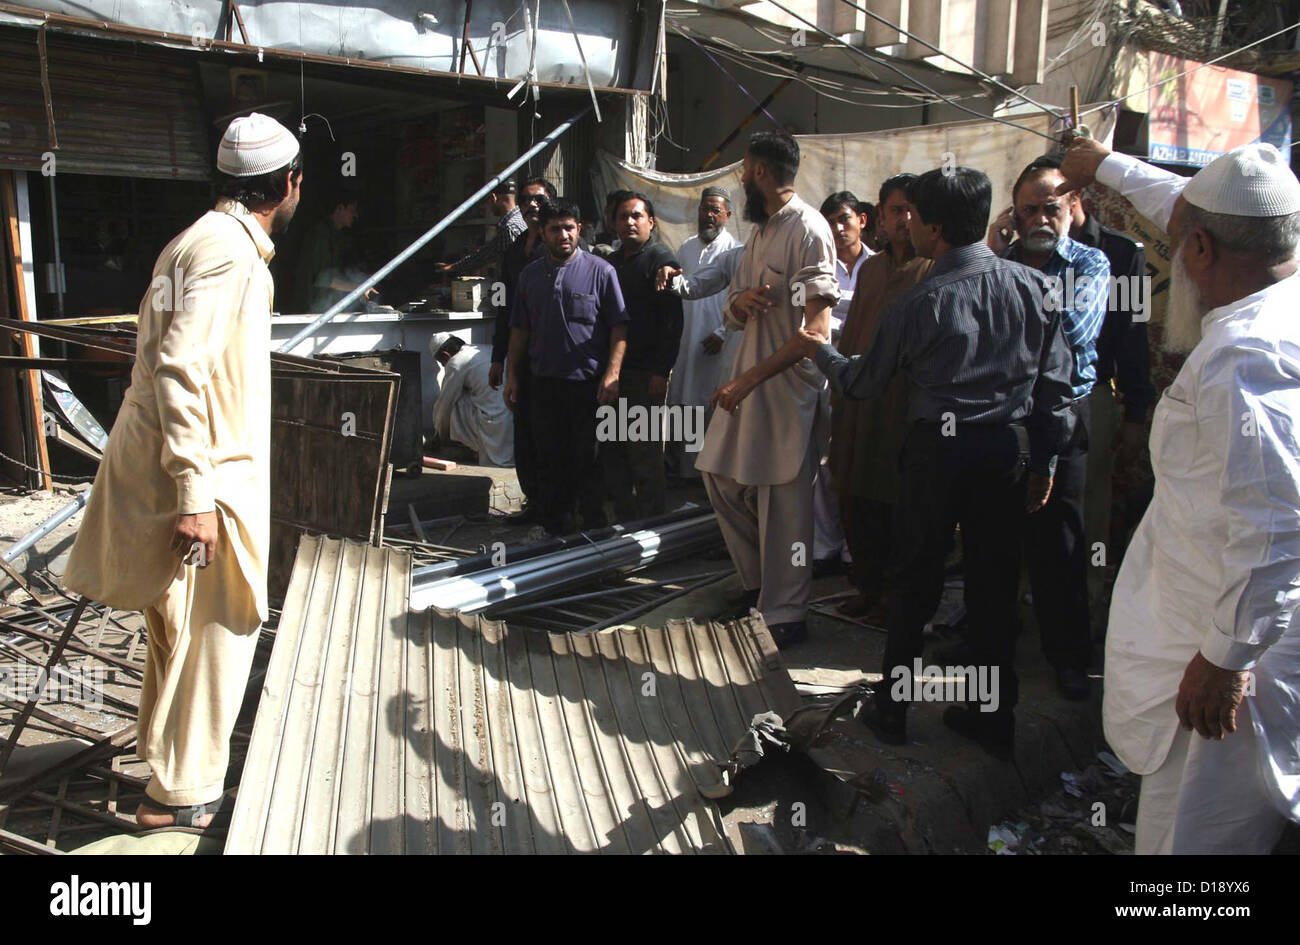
{"x": 1203, "y": 636}
{"x": 1056, "y": 544}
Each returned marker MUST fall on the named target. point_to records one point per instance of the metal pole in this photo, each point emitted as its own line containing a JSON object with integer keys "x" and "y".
{"x": 55, "y": 655}
{"x": 58, "y": 253}
{"x": 342, "y": 304}
{"x": 43, "y": 529}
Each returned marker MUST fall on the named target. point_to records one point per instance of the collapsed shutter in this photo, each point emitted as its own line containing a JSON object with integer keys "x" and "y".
{"x": 120, "y": 109}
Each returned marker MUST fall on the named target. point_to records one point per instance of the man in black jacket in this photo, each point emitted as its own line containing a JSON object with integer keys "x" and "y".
{"x": 634, "y": 461}
{"x": 526, "y": 247}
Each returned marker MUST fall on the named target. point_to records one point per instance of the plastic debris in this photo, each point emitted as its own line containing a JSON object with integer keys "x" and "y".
{"x": 1117, "y": 767}
{"x": 1003, "y": 840}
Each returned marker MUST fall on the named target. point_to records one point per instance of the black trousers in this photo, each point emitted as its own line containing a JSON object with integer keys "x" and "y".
{"x": 634, "y": 471}
{"x": 1056, "y": 544}
{"x": 564, "y": 433}
{"x": 525, "y": 449}
{"x": 871, "y": 531}
{"x": 976, "y": 479}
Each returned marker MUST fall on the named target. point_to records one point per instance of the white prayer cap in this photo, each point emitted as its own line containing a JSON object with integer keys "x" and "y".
{"x": 437, "y": 341}
{"x": 1254, "y": 180}
{"x": 255, "y": 144}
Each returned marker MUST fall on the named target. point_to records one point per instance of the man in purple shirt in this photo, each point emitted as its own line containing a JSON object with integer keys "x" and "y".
{"x": 568, "y": 319}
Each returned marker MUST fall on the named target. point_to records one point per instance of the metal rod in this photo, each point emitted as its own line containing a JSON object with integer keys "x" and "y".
{"x": 55, "y": 655}
{"x": 58, "y": 252}
{"x": 473, "y": 199}
{"x": 648, "y": 606}
{"x": 43, "y": 529}
{"x": 17, "y": 843}
{"x": 610, "y": 591}
{"x": 471, "y": 593}
{"x": 522, "y": 552}
{"x": 99, "y": 654}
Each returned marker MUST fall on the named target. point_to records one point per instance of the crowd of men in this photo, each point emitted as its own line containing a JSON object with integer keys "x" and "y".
{"x": 882, "y": 378}
{"x": 968, "y": 379}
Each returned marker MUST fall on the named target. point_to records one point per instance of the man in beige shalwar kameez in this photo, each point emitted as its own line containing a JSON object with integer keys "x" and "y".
{"x": 759, "y": 456}
{"x": 178, "y": 522}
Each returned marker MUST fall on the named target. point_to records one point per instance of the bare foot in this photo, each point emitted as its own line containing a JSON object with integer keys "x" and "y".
{"x": 151, "y": 817}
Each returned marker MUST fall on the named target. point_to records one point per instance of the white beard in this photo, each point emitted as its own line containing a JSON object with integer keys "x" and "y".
{"x": 1042, "y": 240}
{"x": 1184, "y": 310}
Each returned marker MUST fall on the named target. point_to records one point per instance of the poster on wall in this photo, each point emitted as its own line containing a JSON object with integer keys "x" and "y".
{"x": 1202, "y": 114}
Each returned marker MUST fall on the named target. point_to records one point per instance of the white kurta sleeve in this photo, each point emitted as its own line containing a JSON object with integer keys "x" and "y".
{"x": 210, "y": 286}
{"x": 709, "y": 279}
{"x": 1152, "y": 191}
{"x": 1249, "y": 408}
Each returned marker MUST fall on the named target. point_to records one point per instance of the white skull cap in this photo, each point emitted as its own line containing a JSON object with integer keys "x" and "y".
{"x": 255, "y": 144}
{"x": 1254, "y": 180}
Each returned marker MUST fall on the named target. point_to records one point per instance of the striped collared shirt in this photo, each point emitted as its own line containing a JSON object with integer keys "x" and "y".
{"x": 1080, "y": 279}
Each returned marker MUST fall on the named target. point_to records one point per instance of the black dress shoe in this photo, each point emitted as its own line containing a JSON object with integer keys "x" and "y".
{"x": 527, "y": 516}
{"x": 788, "y": 634}
{"x": 994, "y": 731}
{"x": 828, "y": 567}
{"x": 1074, "y": 683}
{"x": 886, "y": 719}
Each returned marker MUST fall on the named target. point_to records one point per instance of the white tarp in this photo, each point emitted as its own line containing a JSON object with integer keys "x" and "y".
{"x": 423, "y": 35}
{"x": 857, "y": 162}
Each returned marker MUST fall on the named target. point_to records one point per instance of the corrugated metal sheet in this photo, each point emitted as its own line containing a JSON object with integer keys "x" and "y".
{"x": 386, "y": 731}
{"x": 118, "y": 109}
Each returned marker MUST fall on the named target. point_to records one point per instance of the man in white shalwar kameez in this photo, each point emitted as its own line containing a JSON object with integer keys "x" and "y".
{"x": 178, "y": 524}
{"x": 469, "y": 409}
{"x": 1202, "y": 637}
{"x": 695, "y": 375}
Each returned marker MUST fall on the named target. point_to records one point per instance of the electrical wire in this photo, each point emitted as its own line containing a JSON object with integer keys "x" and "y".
{"x": 809, "y": 81}
{"x": 911, "y": 79}
{"x": 1078, "y": 36}
{"x": 740, "y": 84}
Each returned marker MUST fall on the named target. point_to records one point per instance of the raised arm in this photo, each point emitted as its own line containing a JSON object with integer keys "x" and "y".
{"x": 1152, "y": 191}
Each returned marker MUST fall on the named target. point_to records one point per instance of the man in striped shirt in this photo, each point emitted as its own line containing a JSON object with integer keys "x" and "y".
{"x": 1056, "y": 540}
{"x": 510, "y": 226}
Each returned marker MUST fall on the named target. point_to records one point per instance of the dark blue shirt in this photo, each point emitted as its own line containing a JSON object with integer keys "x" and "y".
{"x": 568, "y": 311}
{"x": 974, "y": 340}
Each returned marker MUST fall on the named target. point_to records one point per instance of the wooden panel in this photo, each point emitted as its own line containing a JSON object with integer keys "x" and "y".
{"x": 321, "y": 480}
{"x": 331, "y": 433}
{"x": 31, "y": 383}
{"x": 118, "y": 109}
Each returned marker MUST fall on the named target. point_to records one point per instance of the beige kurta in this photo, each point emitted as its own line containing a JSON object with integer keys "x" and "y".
{"x": 194, "y": 430}
{"x": 764, "y": 441}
